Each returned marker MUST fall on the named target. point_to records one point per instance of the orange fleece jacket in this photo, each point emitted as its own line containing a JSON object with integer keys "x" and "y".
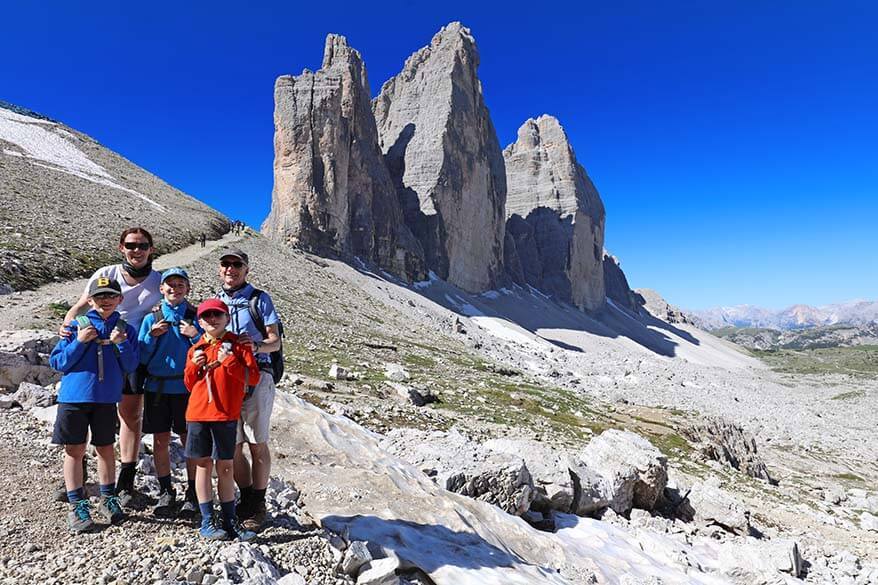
{"x": 216, "y": 392}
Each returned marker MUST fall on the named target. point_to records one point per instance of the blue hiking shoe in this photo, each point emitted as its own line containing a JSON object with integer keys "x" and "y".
{"x": 212, "y": 531}
{"x": 79, "y": 520}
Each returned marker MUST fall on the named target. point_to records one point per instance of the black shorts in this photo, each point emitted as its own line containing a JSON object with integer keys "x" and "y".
{"x": 74, "y": 419}
{"x": 215, "y": 439}
{"x": 163, "y": 413}
{"x": 134, "y": 381}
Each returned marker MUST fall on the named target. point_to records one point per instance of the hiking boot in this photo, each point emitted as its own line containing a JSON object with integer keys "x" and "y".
{"x": 190, "y": 508}
{"x": 212, "y": 531}
{"x": 236, "y": 531}
{"x": 127, "y": 494}
{"x": 111, "y": 510}
{"x": 79, "y": 519}
{"x": 257, "y": 517}
{"x": 166, "y": 504}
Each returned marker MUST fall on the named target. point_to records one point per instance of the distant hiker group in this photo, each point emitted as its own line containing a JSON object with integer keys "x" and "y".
{"x": 237, "y": 227}
{"x": 143, "y": 356}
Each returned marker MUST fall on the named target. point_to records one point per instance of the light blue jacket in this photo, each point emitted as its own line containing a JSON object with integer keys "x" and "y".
{"x": 165, "y": 356}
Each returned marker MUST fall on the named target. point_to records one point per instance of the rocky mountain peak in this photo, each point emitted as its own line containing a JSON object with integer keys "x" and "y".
{"x": 555, "y": 216}
{"x": 443, "y": 154}
{"x": 332, "y": 192}
{"x": 338, "y": 55}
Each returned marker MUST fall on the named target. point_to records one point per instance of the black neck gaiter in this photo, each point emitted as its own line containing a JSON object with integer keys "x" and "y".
{"x": 137, "y": 272}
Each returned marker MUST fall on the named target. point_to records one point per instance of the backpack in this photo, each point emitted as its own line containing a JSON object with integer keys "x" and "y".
{"x": 143, "y": 373}
{"x": 277, "y": 357}
{"x": 189, "y": 315}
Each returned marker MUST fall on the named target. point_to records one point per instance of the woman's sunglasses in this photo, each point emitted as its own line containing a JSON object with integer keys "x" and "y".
{"x": 137, "y": 246}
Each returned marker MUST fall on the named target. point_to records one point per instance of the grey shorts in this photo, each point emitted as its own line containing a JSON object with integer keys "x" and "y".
{"x": 255, "y": 420}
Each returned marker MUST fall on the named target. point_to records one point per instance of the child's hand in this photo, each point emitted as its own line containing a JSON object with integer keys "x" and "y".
{"x": 64, "y": 331}
{"x": 224, "y": 351}
{"x": 245, "y": 339}
{"x": 199, "y": 359}
{"x": 159, "y": 328}
{"x": 86, "y": 334}
{"x": 188, "y": 329}
{"x": 118, "y": 336}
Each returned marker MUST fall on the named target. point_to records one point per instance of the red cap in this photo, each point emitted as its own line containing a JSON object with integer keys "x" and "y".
{"x": 212, "y": 305}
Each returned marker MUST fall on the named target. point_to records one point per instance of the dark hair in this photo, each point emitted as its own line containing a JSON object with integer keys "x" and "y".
{"x": 135, "y": 230}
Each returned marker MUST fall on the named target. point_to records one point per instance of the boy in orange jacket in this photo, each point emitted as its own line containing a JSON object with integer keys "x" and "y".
{"x": 218, "y": 372}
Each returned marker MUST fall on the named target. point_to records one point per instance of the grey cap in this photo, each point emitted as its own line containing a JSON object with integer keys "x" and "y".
{"x": 235, "y": 253}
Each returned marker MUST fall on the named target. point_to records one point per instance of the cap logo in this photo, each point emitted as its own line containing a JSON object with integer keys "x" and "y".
{"x": 103, "y": 281}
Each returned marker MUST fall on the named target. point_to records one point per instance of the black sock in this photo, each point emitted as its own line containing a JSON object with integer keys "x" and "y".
{"x": 246, "y": 493}
{"x": 165, "y": 483}
{"x": 126, "y": 474}
{"x": 259, "y": 496}
{"x": 190, "y": 485}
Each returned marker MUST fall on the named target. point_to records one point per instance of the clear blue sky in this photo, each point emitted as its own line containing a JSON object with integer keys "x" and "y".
{"x": 733, "y": 143}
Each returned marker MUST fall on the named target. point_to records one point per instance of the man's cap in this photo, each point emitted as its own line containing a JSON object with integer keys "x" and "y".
{"x": 102, "y": 284}
{"x": 174, "y": 272}
{"x": 236, "y": 253}
{"x": 212, "y": 305}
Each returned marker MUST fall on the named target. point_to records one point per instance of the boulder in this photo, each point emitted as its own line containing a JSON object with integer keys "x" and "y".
{"x": 332, "y": 192}
{"x": 553, "y": 483}
{"x": 336, "y": 372}
{"x": 443, "y": 154}
{"x": 379, "y": 572}
{"x": 547, "y": 188}
{"x": 24, "y": 357}
{"x": 396, "y": 372}
{"x": 355, "y": 556}
{"x": 709, "y": 504}
{"x": 761, "y": 559}
{"x": 869, "y": 522}
{"x": 724, "y": 441}
{"x": 412, "y": 395}
{"x": 465, "y": 467}
{"x": 30, "y": 395}
{"x": 635, "y": 471}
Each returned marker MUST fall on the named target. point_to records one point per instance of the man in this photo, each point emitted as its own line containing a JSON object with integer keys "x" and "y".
{"x": 253, "y": 426}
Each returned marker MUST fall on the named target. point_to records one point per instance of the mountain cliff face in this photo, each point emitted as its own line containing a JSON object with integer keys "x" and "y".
{"x": 51, "y": 177}
{"x": 555, "y": 216}
{"x": 443, "y": 154}
{"x": 616, "y": 284}
{"x": 332, "y": 192}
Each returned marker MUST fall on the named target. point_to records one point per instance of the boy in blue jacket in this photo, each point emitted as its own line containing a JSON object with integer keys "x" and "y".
{"x": 165, "y": 337}
{"x": 94, "y": 361}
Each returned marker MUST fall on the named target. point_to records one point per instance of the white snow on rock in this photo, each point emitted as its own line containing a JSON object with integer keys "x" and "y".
{"x": 41, "y": 140}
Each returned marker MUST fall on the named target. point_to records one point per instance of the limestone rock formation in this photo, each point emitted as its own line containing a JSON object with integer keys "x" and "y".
{"x": 617, "y": 286}
{"x": 555, "y": 215}
{"x": 332, "y": 192}
{"x": 442, "y": 151}
{"x": 724, "y": 441}
{"x": 658, "y": 307}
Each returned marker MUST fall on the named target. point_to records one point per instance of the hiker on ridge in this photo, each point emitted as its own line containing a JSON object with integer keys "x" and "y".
{"x": 254, "y": 319}
{"x": 139, "y": 285}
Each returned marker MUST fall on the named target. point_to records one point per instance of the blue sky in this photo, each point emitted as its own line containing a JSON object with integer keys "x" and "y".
{"x": 734, "y": 144}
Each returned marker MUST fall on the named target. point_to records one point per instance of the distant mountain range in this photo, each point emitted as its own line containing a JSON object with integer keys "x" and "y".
{"x": 858, "y": 312}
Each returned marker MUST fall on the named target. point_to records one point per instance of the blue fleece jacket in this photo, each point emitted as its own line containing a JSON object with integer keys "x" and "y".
{"x": 165, "y": 355}
{"x": 78, "y": 362}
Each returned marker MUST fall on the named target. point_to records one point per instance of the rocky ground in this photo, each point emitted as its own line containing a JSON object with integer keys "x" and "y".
{"x": 397, "y": 348}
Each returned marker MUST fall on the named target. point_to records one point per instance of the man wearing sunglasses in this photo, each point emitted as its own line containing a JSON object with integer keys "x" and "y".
{"x": 253, "y": 426}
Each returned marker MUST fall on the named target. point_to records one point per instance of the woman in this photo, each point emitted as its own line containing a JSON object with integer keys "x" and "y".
{"x": 140, "y": 293}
